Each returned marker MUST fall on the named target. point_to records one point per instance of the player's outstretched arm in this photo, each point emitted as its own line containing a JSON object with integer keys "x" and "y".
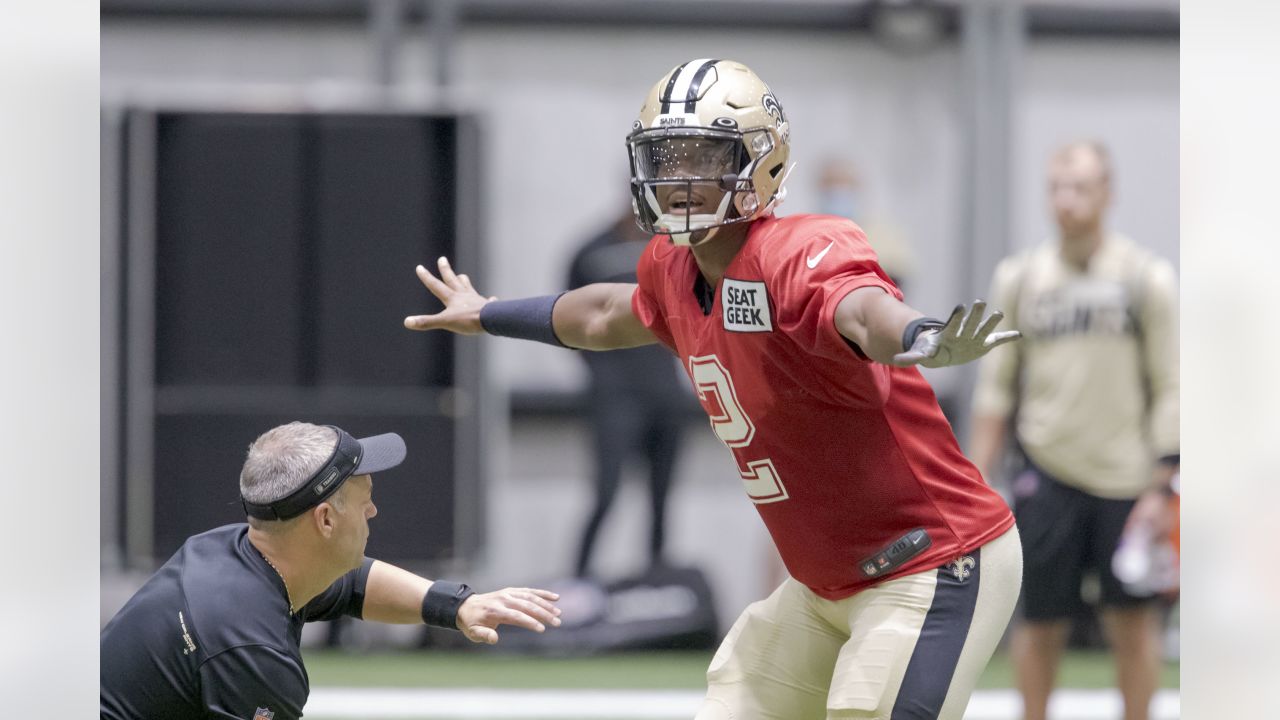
{"x": 394, "y": 595}
{"x": 892, "y": 332}
{"x": 594, "y": 317}
{"x": 599, "y": 317}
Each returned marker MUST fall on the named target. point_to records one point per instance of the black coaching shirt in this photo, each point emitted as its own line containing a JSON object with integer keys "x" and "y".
{"x": 210, "y": 635}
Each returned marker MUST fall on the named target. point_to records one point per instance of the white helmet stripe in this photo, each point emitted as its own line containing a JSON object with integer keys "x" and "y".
{"x": 665, "y": 97}
{"x": 688, "y": 76}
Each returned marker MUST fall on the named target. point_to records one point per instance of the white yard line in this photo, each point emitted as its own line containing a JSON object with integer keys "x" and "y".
{"x": 494, "y": 704}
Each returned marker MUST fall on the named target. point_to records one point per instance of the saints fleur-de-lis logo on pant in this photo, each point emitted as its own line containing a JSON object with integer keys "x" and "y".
{"x": 962, "y": 566}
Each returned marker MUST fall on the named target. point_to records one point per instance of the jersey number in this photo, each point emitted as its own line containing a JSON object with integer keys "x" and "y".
{"x": 734, "y": 428}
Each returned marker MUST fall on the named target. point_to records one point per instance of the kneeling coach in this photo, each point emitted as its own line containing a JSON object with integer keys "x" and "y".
{"x": 215, "y": 632}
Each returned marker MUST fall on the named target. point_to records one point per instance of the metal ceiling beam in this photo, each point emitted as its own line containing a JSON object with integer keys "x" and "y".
{"x": 1043, "y": 19}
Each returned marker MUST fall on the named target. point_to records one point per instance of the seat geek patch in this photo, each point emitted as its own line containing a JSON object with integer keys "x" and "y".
{"x": 745, "y": 305}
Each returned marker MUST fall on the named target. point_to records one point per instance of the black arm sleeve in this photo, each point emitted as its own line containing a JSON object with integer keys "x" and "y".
{"x": 344, "y": 597}
{"x": 236, "y": 683}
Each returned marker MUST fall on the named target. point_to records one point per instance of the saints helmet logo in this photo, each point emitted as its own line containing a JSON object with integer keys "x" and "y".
{"x": 961, "y": 567}
{"x": 774, "y": 108}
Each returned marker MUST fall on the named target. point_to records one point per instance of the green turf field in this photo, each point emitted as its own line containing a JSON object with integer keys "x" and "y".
{"x": 657, "y": 670}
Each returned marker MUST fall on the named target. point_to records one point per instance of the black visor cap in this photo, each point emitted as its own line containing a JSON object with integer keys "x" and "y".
{"x": 350, "y": 457}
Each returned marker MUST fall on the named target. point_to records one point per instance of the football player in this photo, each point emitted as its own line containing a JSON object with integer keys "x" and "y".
{"x": 904, "y": 565}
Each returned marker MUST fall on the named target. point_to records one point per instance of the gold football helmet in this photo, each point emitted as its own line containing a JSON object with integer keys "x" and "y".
{"x": 709, "y": 149}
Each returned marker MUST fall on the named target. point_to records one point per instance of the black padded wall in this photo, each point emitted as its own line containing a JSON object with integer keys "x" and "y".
{"x": 284, "y": 247}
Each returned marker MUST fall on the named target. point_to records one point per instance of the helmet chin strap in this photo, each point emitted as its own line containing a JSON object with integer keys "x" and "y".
{"x": 713, "y": 221}
{"x": 685, "y": 239}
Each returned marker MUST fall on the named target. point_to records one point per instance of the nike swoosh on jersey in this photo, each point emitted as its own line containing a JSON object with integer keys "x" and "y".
{"x": 813, "y": 261}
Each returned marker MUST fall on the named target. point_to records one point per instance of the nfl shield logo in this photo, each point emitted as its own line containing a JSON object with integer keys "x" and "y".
{"x": 263, "y": 714}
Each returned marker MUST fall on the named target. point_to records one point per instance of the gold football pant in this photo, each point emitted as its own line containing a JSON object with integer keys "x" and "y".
{"x": 910, "y": 648}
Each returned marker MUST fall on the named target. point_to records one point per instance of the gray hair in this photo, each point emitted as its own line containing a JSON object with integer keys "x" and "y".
{"x": 283, "y": 458}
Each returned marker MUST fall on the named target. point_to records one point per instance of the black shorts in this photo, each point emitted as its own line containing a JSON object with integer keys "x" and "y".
{"x": 1066, "y": 533}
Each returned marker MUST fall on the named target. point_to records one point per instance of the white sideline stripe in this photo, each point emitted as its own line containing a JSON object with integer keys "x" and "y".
{"x": 492, "y": 704}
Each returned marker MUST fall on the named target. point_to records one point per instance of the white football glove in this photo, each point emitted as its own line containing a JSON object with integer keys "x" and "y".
{"x": 963, "y": 338}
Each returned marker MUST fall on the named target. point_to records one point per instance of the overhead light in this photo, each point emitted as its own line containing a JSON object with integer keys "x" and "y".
{"x": 908, "y": 25}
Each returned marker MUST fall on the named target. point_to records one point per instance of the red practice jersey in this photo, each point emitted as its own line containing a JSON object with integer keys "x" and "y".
{"x": 842, "y": 456}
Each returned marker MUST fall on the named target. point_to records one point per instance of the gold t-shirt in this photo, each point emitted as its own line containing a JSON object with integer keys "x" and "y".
{"x": 1093, "y": 383}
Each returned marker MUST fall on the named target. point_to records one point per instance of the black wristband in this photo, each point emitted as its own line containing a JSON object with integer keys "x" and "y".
{"x": 917, "y": 326}
{"x": 440, "y": 604}
{"x": 525, "y": 319}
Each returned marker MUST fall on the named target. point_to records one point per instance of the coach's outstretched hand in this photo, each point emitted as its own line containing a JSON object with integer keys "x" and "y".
{"x": 480, "y": 615}
{"x": 461, "y": 313}
{"x": 963, "y": 339}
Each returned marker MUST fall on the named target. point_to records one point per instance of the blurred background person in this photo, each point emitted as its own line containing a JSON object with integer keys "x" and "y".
{"x": 636, "y": 398}
{"x": 1091, "y": 397}
{"x": 842, "y": 191}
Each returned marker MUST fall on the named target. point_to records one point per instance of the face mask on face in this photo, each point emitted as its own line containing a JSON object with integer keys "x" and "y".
{"x": 844, "y": 202}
